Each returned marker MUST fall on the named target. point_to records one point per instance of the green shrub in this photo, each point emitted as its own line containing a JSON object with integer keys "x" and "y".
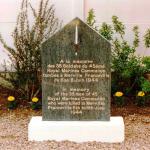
{"x": 145, "y": 85}
{"x": 127, "y": 68}
{"x": 106, "y": 31}
{"x": 146, "y": 62}
{"x": 26, "y": 54}
{"x": 91, "y": 18}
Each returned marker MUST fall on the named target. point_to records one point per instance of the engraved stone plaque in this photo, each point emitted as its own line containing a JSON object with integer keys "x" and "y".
{"x": 76, "y": 75}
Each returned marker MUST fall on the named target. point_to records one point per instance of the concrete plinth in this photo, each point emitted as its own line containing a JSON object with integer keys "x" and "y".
{"x": 78, "y": 131}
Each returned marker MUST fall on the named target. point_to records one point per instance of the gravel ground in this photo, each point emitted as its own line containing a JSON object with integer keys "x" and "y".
{"x": 13, "y": 133}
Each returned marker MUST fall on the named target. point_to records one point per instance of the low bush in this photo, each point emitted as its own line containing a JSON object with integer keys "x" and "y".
{"x": 26, "y": 54}
{"x": 127, "y": 69}
{"x": 146, "y": 62}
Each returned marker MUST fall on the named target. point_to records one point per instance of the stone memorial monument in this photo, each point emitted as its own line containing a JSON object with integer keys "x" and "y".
{"x": 76, "y": 87}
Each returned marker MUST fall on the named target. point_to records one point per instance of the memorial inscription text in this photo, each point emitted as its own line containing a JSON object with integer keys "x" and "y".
{"x": 76, "y": 99}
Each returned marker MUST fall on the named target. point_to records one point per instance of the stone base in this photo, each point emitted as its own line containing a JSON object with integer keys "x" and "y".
{"x": 78, "y": 131}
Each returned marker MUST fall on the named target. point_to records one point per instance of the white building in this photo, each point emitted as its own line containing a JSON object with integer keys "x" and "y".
{"x": 131, "y": 12}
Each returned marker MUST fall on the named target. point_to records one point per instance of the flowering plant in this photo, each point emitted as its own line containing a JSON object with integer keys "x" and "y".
{"x": 35, "y": 99}
{"x": 119, "y": 99}
{"x": 35, "y": 103}
{"x": 12, "y": 104}
{"x": 141, "y": 98}
{"x": 11, "y": 98}
{"x": 118, "y": 94}
{"x": 141, "y": 94}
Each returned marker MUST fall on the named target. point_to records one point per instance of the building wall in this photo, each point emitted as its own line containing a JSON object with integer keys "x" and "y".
{"x": 131, "y": 12}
